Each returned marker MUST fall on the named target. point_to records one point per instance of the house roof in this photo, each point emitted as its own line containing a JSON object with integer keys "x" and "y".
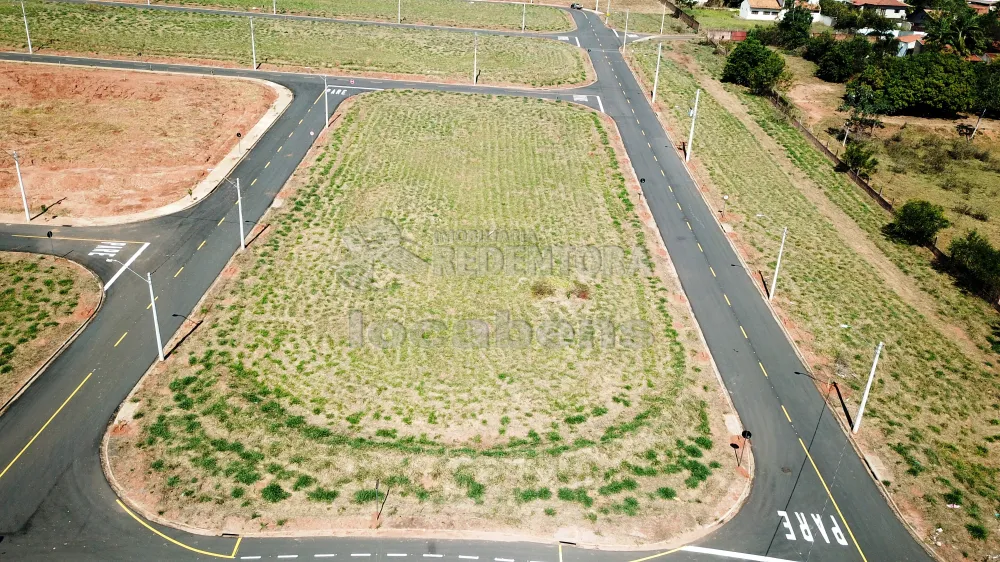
{"x": 909, "y": 38}
{"x": 765, "y": 4}
{"x": 806, "y": 5}
{"x": 881, "y": 3}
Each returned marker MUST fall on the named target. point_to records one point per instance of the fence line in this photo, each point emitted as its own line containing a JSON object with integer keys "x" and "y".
{"x": 679, "y": 14}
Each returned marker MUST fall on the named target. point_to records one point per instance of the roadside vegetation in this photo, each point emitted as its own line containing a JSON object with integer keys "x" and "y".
{"x": 42, "y": 301}
{"x": 450, "y": 13}
{"x": 278, "y": 412}
{"x": 137, "y": 33}
{"x": 935, "y": 412}
{"x": 644, "y": 16}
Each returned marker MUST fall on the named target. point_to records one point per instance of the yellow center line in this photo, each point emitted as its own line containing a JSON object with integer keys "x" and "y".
{"x": 290, "y": 134}
{"x": 220, "y": 221}
{"x": 202, "y": 244}
{"x": 150, "y": 305}
{"x": 744, "y": 333}
{"x": 317, "y": 99}
{"x": 300, "y": 121}
{"x": 699, "y": 247}
{"x": 656, "y": 556}
{"x": 268, "y": 164}
{"x": 654, "y": 157}
{"x": 253, "y": 182}
{"x": 120, "y": 339}
{"x": 763, "y": 370}
{"x": 689, "y": 227}
{"x": 176, "y": 542}
{"x": 835, "y": 506}
{"x": 280, "y": 147}
{"x": 63, "y": 405}
{"x": 787, "y": 417}
{"x": 712, "y": 270}
{"x": 77, "y": 239}
{"x": 730, "y": 304}
{"x": 679, "y": 207}
{"x": 664, "y": 175}
{"x": 179, "y": 271}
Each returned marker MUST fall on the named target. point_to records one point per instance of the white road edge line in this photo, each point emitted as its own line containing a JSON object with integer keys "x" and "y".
{"x": 464, "y": 557}
{"x": 249, "y": 557}
{"x": 362, "y": 554}
{"x": 288, "y": 556}
{"x": 577, "y": 41}
{"x": 323, "y": 555}
{"x": 599, "y": 104}
{"x": 124, "y": 267}
{"x": 730, "y": 554}
{"x": 395, "y": 554}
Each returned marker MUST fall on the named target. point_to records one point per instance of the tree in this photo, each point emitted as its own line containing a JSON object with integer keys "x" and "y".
{"x": 818, "y": 45}
{"x": 988, "y": 87}
{"x": 976, "y": 264}
{"x": 958, "y": 26}
{"x": 753, "y": 65}
{"x": 928, "y": 84}
{"x": 860, "y": 159}
{"x": 794, "y": 28}
{"x": 844, "y": 59}
{"x": 917, "y": 222}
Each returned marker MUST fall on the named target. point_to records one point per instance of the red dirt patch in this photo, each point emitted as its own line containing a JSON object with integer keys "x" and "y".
{"x": 116, "y": 142}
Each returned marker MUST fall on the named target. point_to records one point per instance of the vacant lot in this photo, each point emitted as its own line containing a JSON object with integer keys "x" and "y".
{"x": 645, "y": 16}
{"x": 918, "y": 158}
{"x": 935, "y": 410}
{"x": 300, "y": 391}
{"x": 358, "y": 49}
{"x": 43, "y": 300}
{"x": 107, "y": 142}
{"x": 453, "y": 13}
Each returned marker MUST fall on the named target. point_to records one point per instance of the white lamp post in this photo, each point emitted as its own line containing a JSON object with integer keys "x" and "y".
{"x": 20, "y": 183}
{"x": 868, "y": 387}
{"x": 253, "y": 45}
{"x": 656, "y": 79}
{"x": 26, "y": 32}
{"x": 777, "y": 266}
{"x": 694, "y": 116}
{"x": 152, "y": 304}
{"x": 326, "y": 104}
{"x": 239, "y": 205}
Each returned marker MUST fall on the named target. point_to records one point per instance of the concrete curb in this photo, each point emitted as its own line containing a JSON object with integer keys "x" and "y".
{"x": 222, "y": 169}
{"x": 76, "y": 333}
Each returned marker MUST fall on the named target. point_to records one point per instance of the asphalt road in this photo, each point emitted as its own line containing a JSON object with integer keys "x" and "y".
{"x": 812, "y": 498}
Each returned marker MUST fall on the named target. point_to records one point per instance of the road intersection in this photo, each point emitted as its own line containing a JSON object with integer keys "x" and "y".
{"x": 812, "y": 498}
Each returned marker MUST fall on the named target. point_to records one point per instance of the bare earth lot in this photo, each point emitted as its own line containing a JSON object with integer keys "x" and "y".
{"x": 280, "y": 413}
{"x": 43, "y": 300}
{"x": 111, "y": 142}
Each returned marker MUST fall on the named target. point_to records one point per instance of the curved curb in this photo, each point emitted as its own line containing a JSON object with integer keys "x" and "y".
{"x": 798, "y": 353}
{"x": 214, "y": 178}
{"x": 76, "y": 333}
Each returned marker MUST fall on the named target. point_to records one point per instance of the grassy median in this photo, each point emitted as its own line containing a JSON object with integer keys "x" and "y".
{"x": 934, "y": 415}
{"x": 42, "y": 301}
{"x": 451, "y": 13}
{"x": 320, "y": 46}
{"x": 373, "y": 338}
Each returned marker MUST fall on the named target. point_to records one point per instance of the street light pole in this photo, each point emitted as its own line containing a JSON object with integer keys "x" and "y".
{"x": 777, "y": 266}
{"x": 524, "y": 13}
{"x": 26, "y": 32}
{"x": 326, "y": 104}
{"x": 663, "y": 16}
{"x": 625, "y": 37}
{"x": 694, "y": 116}
{"x": 274, "y": 7}
{"x": 868, "y": 387}
{"x": 156, "y": 323}
{"x": 656, "y": 78}
{"x": 253, "y": 45}
{"x": 20, "y": 183}
{"x": 475, "y": 56}
{"x": 399, "y": 11}
{"x": 239, "y": 204}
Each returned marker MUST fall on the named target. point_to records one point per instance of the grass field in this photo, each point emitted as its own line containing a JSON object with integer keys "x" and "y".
{"x": 280, "y": 412}
{"x": 645, "y": 16}
{"x": 452, "y": 13}
{"x": 42, "y": 302}
{"x": 436, "y": 55}
{"x": 719, "y": 18}
{"x": 934, "y": 412}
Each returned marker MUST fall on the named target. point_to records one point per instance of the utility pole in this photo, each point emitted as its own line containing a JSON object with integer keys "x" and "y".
{"x": 239, "y": 204}
{"x": 777, "y": 266}
{"x": 868, "y": 387}
{"x": 844, "y": 145}
{"x": 326, "y": 104}
{"x": 663, "y": 16}
{"x": 20, "y": 183}
{"x": 475, "y": 57}
{"x": 694, "y": 116}
{"x": 972, "y": 136}
{"x": 253, "y": 45}
{"x": 156, "y": 323}
{"x": 607, "y": 18}
{"x": 399, "y": 11}
{"x": 26, "y": 32}
{"x": 524, "y": 14}
{"x": 656, "y": 78}
{"x": 597, "y": 7}
{"x": 625, "y": 37}
{"x": 274, "y": 7}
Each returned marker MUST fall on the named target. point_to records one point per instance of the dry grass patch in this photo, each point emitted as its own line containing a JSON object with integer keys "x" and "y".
{"x": 935, "y": 411}
{"x": 43, "y": 300}
{"x": 436, "y": 55}
{"x": 113, "y": 142}
{"x": 278, "y": 396}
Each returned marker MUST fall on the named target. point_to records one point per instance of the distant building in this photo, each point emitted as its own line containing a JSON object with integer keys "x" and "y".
{"x": 889, "y": 9}
{"x": 982, "y": 6}
{"x": 765, "y": 10}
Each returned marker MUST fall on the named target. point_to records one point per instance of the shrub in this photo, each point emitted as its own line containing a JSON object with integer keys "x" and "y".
{"x": 753, "y": 65}
{"x": 976, "y": 264}
{"x": 321, "y": 494}
{"x": 859, "y": 158}
{"x": 666, "y": 493}
{"x": 542, "y": 288}
{"x": 977, "y": 531}
{"x": 579, "y": 495}
{"x": 274, "y": 493}
{"x": 303, "y": 481}
{"x": 917, "y": 222}
{"x": 794, "y": 27}
{"x": 368, "y": 495}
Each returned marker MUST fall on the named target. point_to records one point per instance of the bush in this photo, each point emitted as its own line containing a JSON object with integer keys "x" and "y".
{"x": 917, "y": 222}
{"x": 274, "y": 493}
{"x": 976, "y": 264}
{"x": 321, "y": 494}
{"x": 859, "y": 158}
{"x": 928, "y": 84}
{"x": 666, "y": 493}
{"x": 818, "y": 46}
{"x": 794, "y": 27}
{"x": 844, "y": 59}
{"x": 977, "y": 531}
{"x": 753, "y": 65}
